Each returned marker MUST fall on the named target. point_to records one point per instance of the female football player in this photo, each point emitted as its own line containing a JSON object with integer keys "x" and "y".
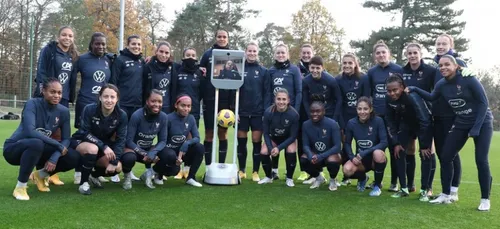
{"x": 368, "y": 130}
{"x": 179, "y": 149}
{"x": 127, "y": 75}
{"x": 188, "y": 78}
{"x": 157, "y": 74}
{"x": 226, "y": 99}
{"x": 467, "y": 98}
{"x": 443, "y": 114}
{"x": 33, "y": 144}
{"x": 280, "y": 125}
{"x": 56, "y": 60}
{"x": 101, "y": 138}
{"x": 284, "y": 75}
{"x": 408, "y": 117}
{"x": 143, "y": 127}
{"x": 322, "y": 143}
{"x": 251, "y": 111}
{"x": 376, "y": 77}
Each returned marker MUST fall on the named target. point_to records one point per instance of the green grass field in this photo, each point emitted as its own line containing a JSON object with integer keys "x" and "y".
{"x": 245, "y": 206}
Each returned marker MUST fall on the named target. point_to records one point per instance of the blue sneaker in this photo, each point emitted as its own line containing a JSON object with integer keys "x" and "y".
{"x": 375, "y": 191}
{"x": 362, "y": 184}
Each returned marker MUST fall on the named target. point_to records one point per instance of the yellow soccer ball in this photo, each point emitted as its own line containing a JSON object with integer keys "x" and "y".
{"x": 225, "y": 118}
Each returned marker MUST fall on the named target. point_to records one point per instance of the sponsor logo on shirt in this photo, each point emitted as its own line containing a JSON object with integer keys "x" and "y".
{"x": 178, "y": 139}
{"x": 164, "y": 83}
{"x": 66, "y": 66}
{"x": 365, "y": 144}
{"x": 278, "y": 81}
{"x": 99, "y": 76}
{"x": 63, "y": 77}
{"x": 320, "y": 146}
{"x": 457, "y": 103}
{"x": 96, "y": 89}
{"x": 44, "y": 131}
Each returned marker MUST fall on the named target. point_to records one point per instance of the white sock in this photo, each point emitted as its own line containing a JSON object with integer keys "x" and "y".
{"x": 275, "y": 170}
{"x": 454, "y": 189}
{"x": 78, "y": 174}
{"x": 43, "y": 173}
{"x": 21, "y": 184}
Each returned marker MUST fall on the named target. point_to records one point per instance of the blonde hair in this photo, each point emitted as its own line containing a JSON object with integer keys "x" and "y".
{"x": 452, "y": 41}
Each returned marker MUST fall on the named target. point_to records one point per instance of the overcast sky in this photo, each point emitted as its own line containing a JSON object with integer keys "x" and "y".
{"x": 481, "y": 17}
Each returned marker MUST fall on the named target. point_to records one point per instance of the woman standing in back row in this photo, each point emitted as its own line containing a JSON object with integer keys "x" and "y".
{"x": 251, "y": 110}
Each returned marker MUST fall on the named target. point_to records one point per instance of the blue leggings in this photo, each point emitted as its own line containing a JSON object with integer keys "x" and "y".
{"x": 441, "y": 128}
{"x": 455, "y": 140}
{"x": 31, "y": 152}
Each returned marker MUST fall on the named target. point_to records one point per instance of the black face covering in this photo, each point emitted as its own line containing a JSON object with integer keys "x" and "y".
{"x": 282, "y": 65}
{"x": 190, "y": 65}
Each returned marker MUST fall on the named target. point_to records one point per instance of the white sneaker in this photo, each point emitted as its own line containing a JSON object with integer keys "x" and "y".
{"x": 333, "y": 185}
{"x": 84, "y": 189}
{"x": 289, "y": 182}
{"x": 453, "y": 196}
{"x": 147, "y": 177}
{"x": 127, "y": 182}
{"x": 158, "y": 179}
{"x": 77, "y": 178}
{"x": 310, "y": 181}
{"x": 441, "y": 199}
{"x": 115, "y": 179}
{"x": 266, "y": 180}
{"x": 317, "y": 182}
{"x": 103, "y": 179}
{"x": 132, "y": 176}
{"x": 194, "y": 183}
{"x": 484, "y": 205}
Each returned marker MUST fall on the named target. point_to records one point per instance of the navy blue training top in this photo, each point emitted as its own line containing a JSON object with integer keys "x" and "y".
{"x": 376, "y": 79}
{"x": 95, "y": 71}
{"x": 143, "y": 128}
{"x": 178, "y": 129}
{"x": 322, "y": 138}
{"x": 127, "y": 76}
{"x": 440, "y": 107}
{"x": 40, "y": 120}
{"x": 188, "y": 82}
{"x": 467, "y": 98}
{"x": 422, "y": 77}
{"x": 326, "y": 86}
{"x": 252, "y": 92}
{"x": 410, "y": 113}
{"x": 103, "y": 131}
{"x": 288, "y": 77}
{"x": 369, "y": 136}
{"x": 280, "y": 125}
{"x": 351, "y": 88}
{"x": 53, "y": 62}
{"x": 158, "y": 75}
